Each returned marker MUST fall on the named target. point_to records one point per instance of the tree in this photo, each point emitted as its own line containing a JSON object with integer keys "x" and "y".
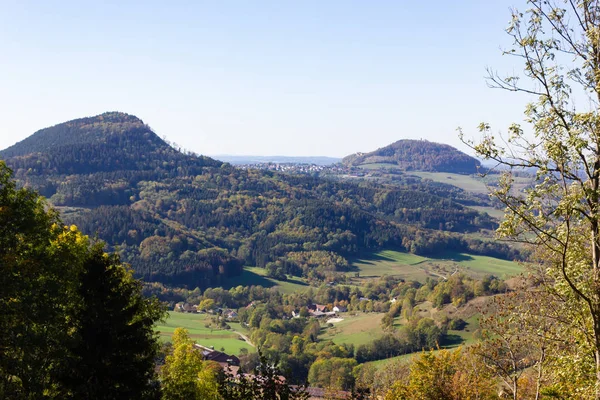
{"x": 206, "y": 304}
{"x": 559, "y": 43}
{"x": 38, "y": 269}
{"x": 447, "y": 375}
{"x": 332, "y": 373}
{"x": 185, "y": 375}
{"x": 266, "y": 383}
{"x": 73, "y": 322}
{"x": 113, "y": 349}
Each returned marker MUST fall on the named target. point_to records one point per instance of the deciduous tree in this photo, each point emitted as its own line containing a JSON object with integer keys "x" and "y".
{"x": 559, "y": 43}
{"x": 185, "y": 375}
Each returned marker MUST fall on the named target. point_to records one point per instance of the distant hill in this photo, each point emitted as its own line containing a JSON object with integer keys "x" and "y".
{"x": 190, "y": 220}
{"x": 418, "y": 155}
{"x": 112, "y": 141}
{"x": 237, "y": 160}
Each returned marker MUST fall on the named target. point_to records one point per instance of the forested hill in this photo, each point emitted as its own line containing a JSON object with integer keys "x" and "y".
{"x": 184, "y": 219}
{"x": 418, "y": 155}
{"x": 112, "y": 141}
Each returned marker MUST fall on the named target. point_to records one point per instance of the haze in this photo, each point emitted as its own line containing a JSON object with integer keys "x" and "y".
{"x": 263, "y": 78}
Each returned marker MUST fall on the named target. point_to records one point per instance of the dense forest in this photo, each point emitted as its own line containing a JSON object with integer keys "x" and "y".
{"x": 418, "y": 155}
{"x": 184, "y": 219}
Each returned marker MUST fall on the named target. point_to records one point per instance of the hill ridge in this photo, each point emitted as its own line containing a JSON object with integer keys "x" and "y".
{"x": 112, "y": 141}
{"x": 418, "y": 155}
{"x": 61, "y": 134}
{"x": 193, "y": 221}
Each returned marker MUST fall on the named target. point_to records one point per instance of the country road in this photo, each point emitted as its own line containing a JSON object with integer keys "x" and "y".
{"x": 246, "y": 338}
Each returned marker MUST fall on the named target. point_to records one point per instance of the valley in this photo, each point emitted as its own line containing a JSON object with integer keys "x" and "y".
{"x": 370, "y": 259}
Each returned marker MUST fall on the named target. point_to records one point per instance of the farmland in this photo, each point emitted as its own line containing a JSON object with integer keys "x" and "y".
{"x": 257, "y": 276}
{"x": 413, "y": 267}
{"x": 199, "y": 332}
{"x": 362, "y": 328}
{"x": 355, "y": 329}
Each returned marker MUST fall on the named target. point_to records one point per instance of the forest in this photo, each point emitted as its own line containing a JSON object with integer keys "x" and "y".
{"x": 419, "y": 155}
{"x": 183, "y": 219}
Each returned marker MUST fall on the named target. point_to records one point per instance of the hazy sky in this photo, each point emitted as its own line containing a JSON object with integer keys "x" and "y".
{"x": 280, "y": 77}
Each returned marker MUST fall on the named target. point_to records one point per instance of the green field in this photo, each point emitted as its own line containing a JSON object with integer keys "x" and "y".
{"x": 413, "y": 267}
{"x": 470, "y": 183}
{"x": 493, "y": 212}
{"x": 389, "y": 262}
{"x": 407, "y": 358}
{"x": 195, "y": 324}
{"x": 257, "y": 276}
{"x": 379, "y": 166}
{"x": 363, "y": 328}
{"x": 358, "y": 329}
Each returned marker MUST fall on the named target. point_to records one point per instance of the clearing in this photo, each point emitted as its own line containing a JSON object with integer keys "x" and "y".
{"x": 258, "y": 277}
{"x": 413, "y": 267}
{"x": 229, "y": 340}
{"x": 357, "y": 329}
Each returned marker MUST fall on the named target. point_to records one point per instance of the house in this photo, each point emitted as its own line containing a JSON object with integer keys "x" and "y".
{"x": 232, "y": 314}
{"x": 339, "y": 309}
{"x": 223, "y": 359}
{"x": 321, "y": 314}
{"x": 317, "y": 307}
{"x": 185, "y": 307}
{"x": 394, "y": 300}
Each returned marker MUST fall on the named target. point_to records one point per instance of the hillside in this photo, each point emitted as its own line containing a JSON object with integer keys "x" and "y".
{"x": 418, "y": 155}
{"x": 190, "y": 220}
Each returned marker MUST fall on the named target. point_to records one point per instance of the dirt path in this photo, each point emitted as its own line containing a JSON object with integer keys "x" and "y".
{"x": 246, "y": 338}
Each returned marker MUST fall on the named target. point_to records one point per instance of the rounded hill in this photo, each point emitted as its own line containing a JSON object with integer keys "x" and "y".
{"x": 113, "y": 141}
{"x": 418, "y": 155}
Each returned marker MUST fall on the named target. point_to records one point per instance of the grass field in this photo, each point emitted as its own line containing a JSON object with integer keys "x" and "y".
{"x": 465, "y": 336}
{"x": 257, "y": 276}
{"x": 195, "y": 324}
{"x": 389, "y": 262}
{"x": 493, "y": 212}
{"x": 363, "y": 328}
{"x": 413, "y": 267}
{"x": 358, "y": 329}
{"x": 379, "y": 166}
{"x": 470, "y": 183}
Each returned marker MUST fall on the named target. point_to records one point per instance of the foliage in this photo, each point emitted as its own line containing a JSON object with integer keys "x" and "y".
{"x": 445, "y": 375}
{"x": 185, "y": 375}
{"x": 74, "y": 323}
{"x": 558, "y": 42}
{"x": 37, "y": 286}
{"x": 186, "y": 220}
{"x": 332, "y": 373}
{"x": 114, "y": 340}
{"x": 419, "y": 155}
{"x": 266, "y": 383}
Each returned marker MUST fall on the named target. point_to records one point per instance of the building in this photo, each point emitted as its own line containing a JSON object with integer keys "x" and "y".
{"x": 223, "y": 359}
{"x": 232, "y": 314}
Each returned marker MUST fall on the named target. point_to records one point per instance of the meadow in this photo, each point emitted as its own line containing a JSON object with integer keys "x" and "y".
{"x": 357, "y": 329}
{"x": 362, "y": 328}
{"x": 470, "y": 183}
{"x": 257, "y": 276}
{"x": 201, "y": 334}
{"x": 413, "y": 267}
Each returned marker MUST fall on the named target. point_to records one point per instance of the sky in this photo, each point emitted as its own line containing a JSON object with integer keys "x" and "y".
{"x": 296, "y": 78}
